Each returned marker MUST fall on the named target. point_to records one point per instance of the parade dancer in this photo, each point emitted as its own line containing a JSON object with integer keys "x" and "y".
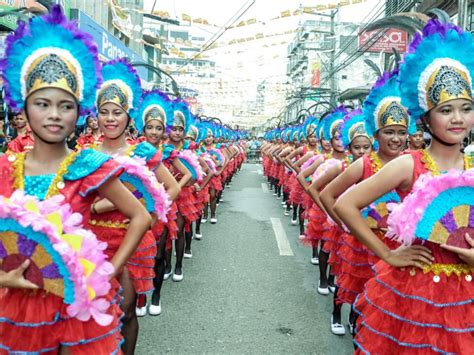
{"x": 154, "y": 111}
{"x": 187, "y": 211}
{"x": 118, "y": 95}
{"x": 388, "y": 121}
{"x": 421, "y": 297}
{"x": 51, "y": 72}
{"x": 93, "y": 137}
{"x": 354, "y": 139}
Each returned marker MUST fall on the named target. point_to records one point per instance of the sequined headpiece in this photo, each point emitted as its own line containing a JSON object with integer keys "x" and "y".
{"x": 383, "y": 106}
{"x": 181, "y": 115}
{"x": 310, "y": 126}
{"x": 154, "y": 105}
{"x": 50, "y": 52}
{"x": 437, "y": 68}
{"x": 353, "y": 127}
{"x": 333, "y": 122}
{"x": 121, "y": 85}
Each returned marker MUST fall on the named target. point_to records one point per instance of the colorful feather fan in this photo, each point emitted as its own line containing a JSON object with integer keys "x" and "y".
{"x": 66, "y": 260}
{"x": 144, "y": 186}
{"x": 377, "y": 213}
{"x": 439, "y": 209}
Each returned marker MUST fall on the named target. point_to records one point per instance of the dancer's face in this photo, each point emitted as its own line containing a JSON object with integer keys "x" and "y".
{"x": 19, "y": 120}
{"x": 312, "y": 140}
{"x": 153, "y": 131}
{"x": 451, "y": 121}
{"x": 52, "y": 114}
{"x": 416, "y": 140}
{"x": 113, "y": 120}
{"x": 176, "y": 134}
{"x": 326, "y": 145}
{"x": 336, "y": 143}
{"x": 209, "y": 140}
{"x": 92, "y": 123}
{"x": 360, "y": 146}
{"x": 392, "y": 139}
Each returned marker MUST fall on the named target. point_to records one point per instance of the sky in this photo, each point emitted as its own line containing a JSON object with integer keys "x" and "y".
{"x": 243, "y": 66}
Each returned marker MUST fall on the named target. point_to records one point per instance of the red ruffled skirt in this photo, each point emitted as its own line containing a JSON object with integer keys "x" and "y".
{"x": 316, "y": 227}
{"x": 296, "y": 190}
{"x": 357, "y": 265}
{"x": 37, "y": 322}
{"x": 141, "y": 263}
{"x": 355, "y": 270}
{"x": 187, "y": 206}
{"x": 332, "y": 243}
{"x": 215, "y": 183}
{"x": 405, "y": 311}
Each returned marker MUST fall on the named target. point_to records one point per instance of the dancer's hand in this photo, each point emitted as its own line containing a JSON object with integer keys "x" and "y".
{"x": 465, "y": 254}
{"x": 415, "y": 255}
{"x": 15, "y": 278}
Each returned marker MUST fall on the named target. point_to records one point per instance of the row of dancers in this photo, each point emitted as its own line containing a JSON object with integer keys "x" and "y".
{"x": 87, "y": 233}
{"x": 387, "y": 219}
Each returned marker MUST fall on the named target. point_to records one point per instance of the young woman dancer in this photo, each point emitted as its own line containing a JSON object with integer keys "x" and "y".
{"x": 118, "y": 95}
{"x": 93, "y": 137}
{"x": 187, "y": 211}
{"x": 388, "y": 121}
{"x": 354, "y": 139}
{"x": 315, "y": 233}
{"x": 52, "y": 72}
{"x": 421, "y": 297}
{"x": 154, "y": 111}
{"x": 215, "y": 184}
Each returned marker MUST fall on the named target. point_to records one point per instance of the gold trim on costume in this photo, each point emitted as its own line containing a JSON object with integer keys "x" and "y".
{"x": 108, "y": 224}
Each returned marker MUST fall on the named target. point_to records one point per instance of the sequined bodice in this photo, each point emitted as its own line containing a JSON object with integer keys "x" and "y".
{"x": 38, "y": 185}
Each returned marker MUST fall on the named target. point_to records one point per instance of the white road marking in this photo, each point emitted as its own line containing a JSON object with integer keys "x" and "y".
{"x": 280, "y": 236}
{"x": 265, "y": 187}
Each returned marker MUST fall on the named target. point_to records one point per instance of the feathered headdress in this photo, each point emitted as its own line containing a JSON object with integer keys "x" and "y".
{"x": 352, "y": 127}
{"x": 437, "y": 68}
{"x": 121, "y": 85}
{"x": 181, "y": 114}
{"x": 333, "y": 122}
{"x": 383, "y": 106}
{"x": 50, "y": 52}
{"x": 155, "y": 105}
{"x": 310, "y": 126}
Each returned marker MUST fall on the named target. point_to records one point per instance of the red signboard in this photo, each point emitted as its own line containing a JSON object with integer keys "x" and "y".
{"x": 391, "y": 38}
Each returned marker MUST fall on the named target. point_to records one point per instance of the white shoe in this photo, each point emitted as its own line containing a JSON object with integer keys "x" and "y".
{"x": 332, "y": 289}
{"x": 283, "y": 202}
{"x": 315, "y": 261}
{"x": 213, "y": 220}
{"x": 337, "y": 328}
{"x": 198, "y": 236}
{"x": 154, "y": 310}
{"x": 203, "y": 220}
{"x": 178, "y": 278}
{"x": 286, "y": 213}
{"x": 141, "y": 312}
{"x": 168, "y": 275}
{"x": 294, "y": 222}
{"x": 321, "y": 290}
{"x": 188, "y": 255}
{"x": 274, "y": 194}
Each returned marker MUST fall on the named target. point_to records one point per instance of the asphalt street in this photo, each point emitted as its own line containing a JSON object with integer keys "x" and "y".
{"x": 249, "y": 288}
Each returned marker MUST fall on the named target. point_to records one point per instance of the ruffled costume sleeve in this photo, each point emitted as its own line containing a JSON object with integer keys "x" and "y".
{"x": 93, "y": 168}
{"x": 148, "y": 152}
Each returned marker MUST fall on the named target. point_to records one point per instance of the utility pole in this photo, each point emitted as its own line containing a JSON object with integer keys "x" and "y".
{"x": 332, "y": 81}
{"x": 462, "y": 14}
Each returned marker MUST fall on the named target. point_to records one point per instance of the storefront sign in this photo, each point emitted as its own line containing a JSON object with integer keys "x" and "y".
{"x": 109, "y": 46}
{"x": 392, "y": 38}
